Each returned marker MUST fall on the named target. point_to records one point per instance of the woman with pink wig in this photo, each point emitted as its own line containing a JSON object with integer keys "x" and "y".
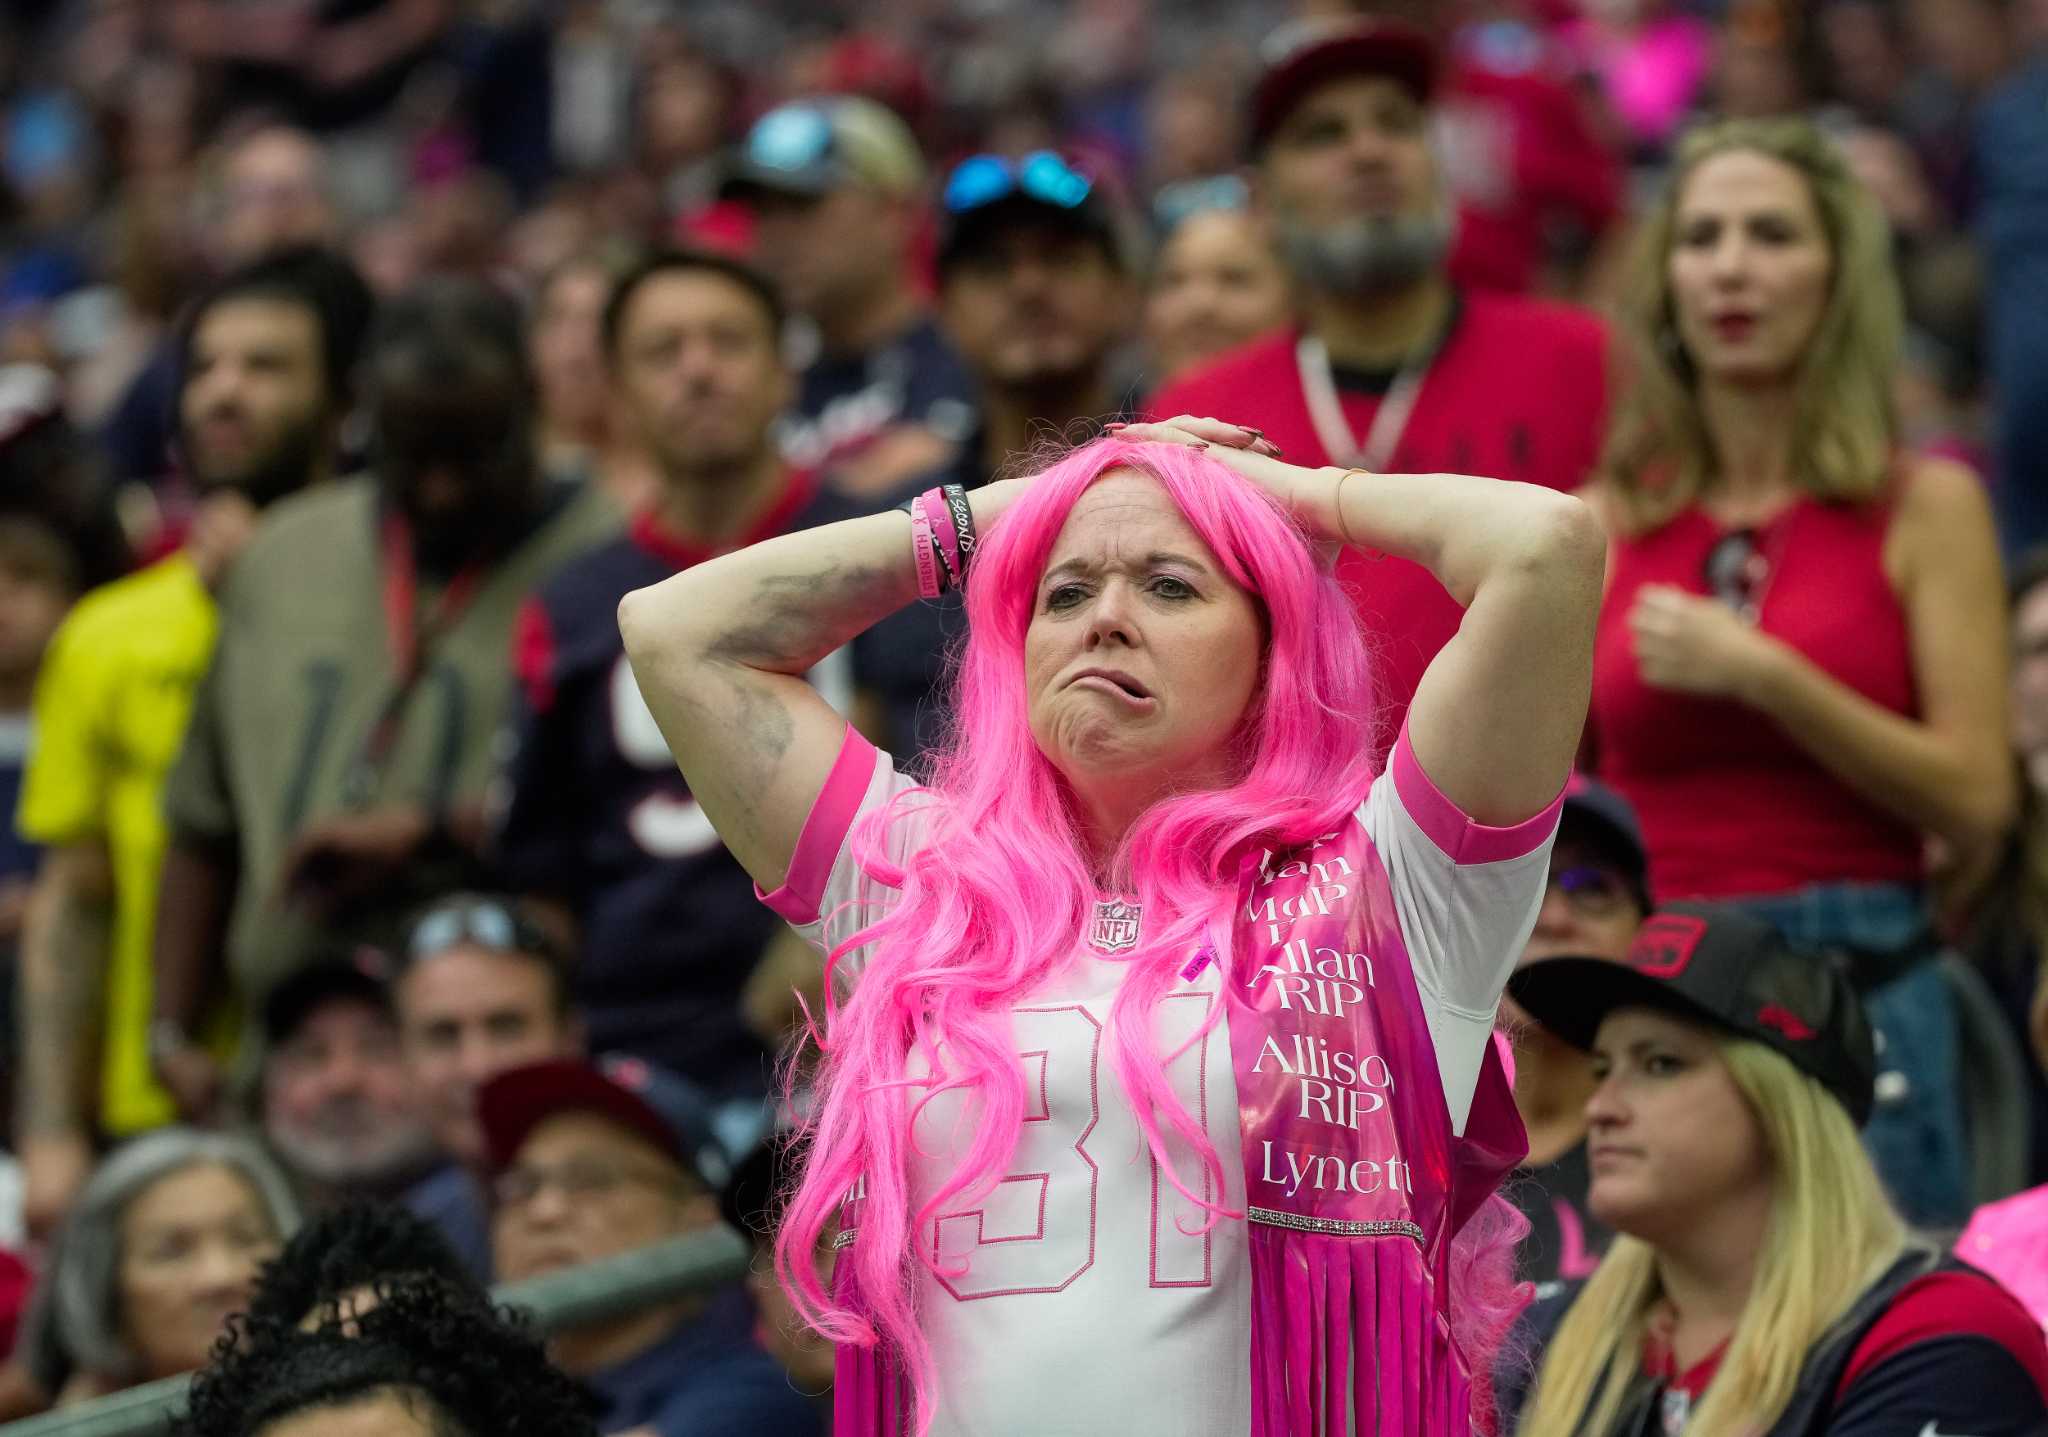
{"x": 1158, "y": 1091}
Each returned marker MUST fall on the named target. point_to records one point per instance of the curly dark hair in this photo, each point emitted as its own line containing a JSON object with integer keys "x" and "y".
{"x": 463, "y": 1367}
{"x": 351, "y": 1248}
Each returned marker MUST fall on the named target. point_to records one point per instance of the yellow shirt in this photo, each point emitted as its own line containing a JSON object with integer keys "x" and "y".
{"x": 111, "y": 705}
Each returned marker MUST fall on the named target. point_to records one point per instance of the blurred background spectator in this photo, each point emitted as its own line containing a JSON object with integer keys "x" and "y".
{"x": 581, "y": 430}
{"x": 162, "y": 1246}
{"x": 590, "y": 1162}
{"x": 319, "y": 808}
{"x": 427, "y": 1358}
{"x": 1216, "y": 281}
{"x": 2007, "y": 936}
{"x": 267, "y": 357}
{"x": 597, "y": 818}
{"x": 837, "y": 191}
{"x": 482, "y": 986}
{"x": 1800, "y": 670}
{"x": 751, "y": 1204}
{"x": 337, "y": 1107}
{"x": 1598, "y": 896}
{"x": 335, "y": 1265}
{"x": 1397, "y": 363}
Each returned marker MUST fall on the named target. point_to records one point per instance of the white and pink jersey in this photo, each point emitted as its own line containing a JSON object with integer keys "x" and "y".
{"x": 1081, "y": 1303}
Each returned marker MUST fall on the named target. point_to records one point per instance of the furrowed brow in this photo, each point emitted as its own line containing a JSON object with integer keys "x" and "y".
{"x": 1082, "y": 568}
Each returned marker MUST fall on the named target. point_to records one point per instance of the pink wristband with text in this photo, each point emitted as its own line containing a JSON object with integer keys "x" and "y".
{"x": 923, "y": 554}
{"x": 932, "y": 504}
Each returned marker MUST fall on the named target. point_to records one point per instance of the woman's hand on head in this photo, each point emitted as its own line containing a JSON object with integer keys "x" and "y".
{"x": 1250, "y": 453}
{"x": 1196, "y": 434}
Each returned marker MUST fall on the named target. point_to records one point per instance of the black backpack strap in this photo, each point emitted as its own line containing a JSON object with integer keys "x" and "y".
{"x": 1813, "y": 1400}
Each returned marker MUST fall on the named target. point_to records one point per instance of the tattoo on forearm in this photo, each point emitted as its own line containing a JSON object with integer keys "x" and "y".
{"x": 796, "y": 619}
{"x": 728, "y": 692}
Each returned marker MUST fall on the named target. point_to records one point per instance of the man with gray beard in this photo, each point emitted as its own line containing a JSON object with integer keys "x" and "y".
{"x": 1392, "y": 367}
{"x": 339, "y": 1110}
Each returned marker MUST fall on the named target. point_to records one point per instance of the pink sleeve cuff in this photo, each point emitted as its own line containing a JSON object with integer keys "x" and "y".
{"x": 824, "y": 832}
{"x": 1462, "y": 839}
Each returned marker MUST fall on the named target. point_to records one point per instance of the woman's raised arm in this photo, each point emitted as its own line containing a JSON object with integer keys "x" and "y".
{"x": 1497, "y": 717}
{"x": 720, "y": 651}
{"x": 1496, "y": 720}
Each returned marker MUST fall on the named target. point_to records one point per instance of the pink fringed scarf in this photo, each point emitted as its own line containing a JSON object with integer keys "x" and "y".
{"x": 1353, "y": 1189}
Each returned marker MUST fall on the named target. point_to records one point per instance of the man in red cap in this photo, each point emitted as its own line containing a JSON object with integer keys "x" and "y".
{"x": 1394, "y": 368}
{"x": 592, "y": 1160}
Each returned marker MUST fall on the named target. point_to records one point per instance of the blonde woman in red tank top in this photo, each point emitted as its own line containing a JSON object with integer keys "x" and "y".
{"x": 1800, "y": 668}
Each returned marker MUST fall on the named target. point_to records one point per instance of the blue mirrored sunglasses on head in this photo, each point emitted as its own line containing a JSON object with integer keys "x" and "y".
{"x": 794, "y": 137}
{"x": 1040, "y": 175}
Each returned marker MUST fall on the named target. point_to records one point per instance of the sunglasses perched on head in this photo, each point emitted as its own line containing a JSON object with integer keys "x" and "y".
{"x": 485, "y": 922}
{"x": 794, "y": 138}
{"x": 1040, "y": 175}
{"x": 1180, "y": 201}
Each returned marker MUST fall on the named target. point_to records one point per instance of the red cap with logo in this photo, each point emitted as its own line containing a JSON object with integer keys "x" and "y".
{"x": 1727, "y": 970}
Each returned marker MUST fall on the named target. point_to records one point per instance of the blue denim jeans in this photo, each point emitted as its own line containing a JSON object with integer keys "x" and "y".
{"x": 1916, "y": 1133}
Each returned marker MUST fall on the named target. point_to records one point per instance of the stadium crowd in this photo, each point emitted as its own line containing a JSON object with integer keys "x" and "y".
{"x": 358, "y": 358}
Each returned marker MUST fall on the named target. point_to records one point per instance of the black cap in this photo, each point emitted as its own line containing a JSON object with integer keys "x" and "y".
{"x": 1591, "y": 804}
{"x": 667, "y": 1110}
{"x": 986, "y": 194}
{"x": 1303, "y": 55}
{"x": 1723, "y": 968}
{"x": 359, "y": 978}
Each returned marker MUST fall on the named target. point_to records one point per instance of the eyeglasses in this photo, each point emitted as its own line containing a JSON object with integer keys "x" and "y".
{"x": 1592, "y": 892}
{"x": 793, "y": 138}
{"x": 1180, "y": 201}
{"x": 579, "y": 1180}
{"x": 1737, "y": 571}
{"x": 488, "y": 923}
{"x": 1040, "y": 175}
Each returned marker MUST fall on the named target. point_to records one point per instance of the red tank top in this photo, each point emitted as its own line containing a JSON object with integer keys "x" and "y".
{"x": 1730, "y": 805}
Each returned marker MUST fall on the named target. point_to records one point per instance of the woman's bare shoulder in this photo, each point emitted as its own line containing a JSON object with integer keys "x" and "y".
{"x": 1600, "y": 495}
{"x": 1933, "y": 490}
{"x": 1941, "y": 519}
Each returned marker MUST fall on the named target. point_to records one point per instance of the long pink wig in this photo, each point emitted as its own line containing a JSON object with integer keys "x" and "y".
{"x": 996, "y": 904}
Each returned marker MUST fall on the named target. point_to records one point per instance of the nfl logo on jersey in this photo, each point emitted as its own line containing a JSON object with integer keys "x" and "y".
{"x": 1116, "y": 926}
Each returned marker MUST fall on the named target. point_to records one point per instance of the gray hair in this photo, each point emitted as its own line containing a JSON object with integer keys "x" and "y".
{"x": 86, "y": 1266}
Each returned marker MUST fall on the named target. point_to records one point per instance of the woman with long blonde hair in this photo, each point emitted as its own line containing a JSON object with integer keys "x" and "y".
{"x": 1800, "y": 671}
{"x": 1762, "y": 1285}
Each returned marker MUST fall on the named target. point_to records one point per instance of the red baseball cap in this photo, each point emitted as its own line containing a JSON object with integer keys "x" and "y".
{"x": 1304, "y": 55}
{"x": 660, "y": 1107}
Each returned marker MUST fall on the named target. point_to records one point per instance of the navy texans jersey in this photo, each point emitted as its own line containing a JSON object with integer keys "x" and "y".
{"x": 845, "y": 400}
{"x": 596, "y": 815}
